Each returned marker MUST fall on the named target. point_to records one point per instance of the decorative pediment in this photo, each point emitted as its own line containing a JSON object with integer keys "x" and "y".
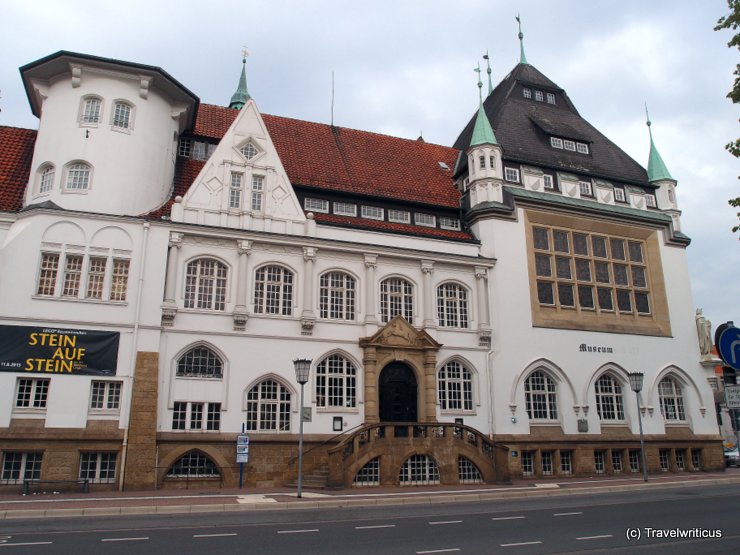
{"x": 399, "y": 333}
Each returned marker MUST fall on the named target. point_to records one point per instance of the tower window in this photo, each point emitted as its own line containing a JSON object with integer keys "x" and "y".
{"x": 550, "y": 98}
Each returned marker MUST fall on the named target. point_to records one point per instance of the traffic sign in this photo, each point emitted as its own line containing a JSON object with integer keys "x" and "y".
{"x": 732, "y": 396}
{"x": 728, "y": 346}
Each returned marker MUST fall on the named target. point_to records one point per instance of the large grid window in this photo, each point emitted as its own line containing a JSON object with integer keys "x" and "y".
{"x": 541, "y": 396}
{"x": 452, "y": 305}
{"x": 105, "y": 395}
{"x": 194, "y": 464}
{"x": 368, "y": 475}
{"x": 419, "y": 470}
{"x": 467, "y": 472}
{"x": 122, "y": 115}
{"x": 21, "y": 466}
{"x": 336, "y": 383}
{"x": 91, "y": 109}
{"x": 396, "y": 297}
{"x": 119, "y": 279}
{"x": 95, "y": 277}
{"x": 32, "y": 393}
{"x": 455, "y": 387}
{"x": 273, "y": 291}
{"x": 268, "y": 407}
{"x": 72, "y": 275}
{"x": 609, "y": 402}
{"x": 48, "y": 273}
{"x": 671, "y": 400}
{"x": 200, "y": 362}
{"x": 591, "y": 272}
{"x": 205, "y": 284}
{"x": 98, "y": 468}
{"x": 102, "y": 280}
{"x": 196, "y": 416}
{"x": 78, "y": 177}
{"x": 337, "y": 291}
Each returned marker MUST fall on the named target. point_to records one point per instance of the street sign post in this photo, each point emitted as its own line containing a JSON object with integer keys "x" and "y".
{"x": 732, "y": 396}
{"x": 242, "y": 453}
{"x": 728, "y": 346}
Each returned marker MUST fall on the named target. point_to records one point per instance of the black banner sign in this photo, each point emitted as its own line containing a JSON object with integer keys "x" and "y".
{"x": 58, "y": 351}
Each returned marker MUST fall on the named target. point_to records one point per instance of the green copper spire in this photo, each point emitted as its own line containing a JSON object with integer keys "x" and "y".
{"x": 656, "y": 169}
{"x": 241, "y": 96}
{"x": 488, "y": 71}
{"x": 482, "y": 132}
{"x": 522, "y": 57}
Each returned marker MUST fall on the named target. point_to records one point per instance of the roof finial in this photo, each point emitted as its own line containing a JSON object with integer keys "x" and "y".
{"x": 480, "y": 84}
{"x": 241, "y": 96}
{"x": 482, "y": 131}
{"x": 656, "y": 169}
{"x": 488, "y": 71}
{"x": 522, "y": 57}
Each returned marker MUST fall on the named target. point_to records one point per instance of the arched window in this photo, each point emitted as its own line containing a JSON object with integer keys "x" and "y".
{"x": 336, "y": 383}
{"x": 671, "y": 400}
{"x": 205, "y": 284}
{"x": 122, "y": 113}
{"x": 396, "y": 297}
{"x": 91, "y": 109}
{"x": 268, "y": 407}
{"x": 455, "y": 387}
{"x": 467, "y": 472}
{"x": 452, "y": 305}
{"x": 46, "y": 178}
{"x": 200, "y": 362}
{"x": 78, "y": 177}
{"x": 541, "y": 396}
{"x": 337, "y": 296}
{"x": 609, "y": 402}
{"x": 194, "y": 464}
{"x": 273, "y": 291}
{"x": 419, "y": 470}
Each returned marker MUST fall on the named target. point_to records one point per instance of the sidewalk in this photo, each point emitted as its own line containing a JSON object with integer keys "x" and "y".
{"x": 216, "y": 500}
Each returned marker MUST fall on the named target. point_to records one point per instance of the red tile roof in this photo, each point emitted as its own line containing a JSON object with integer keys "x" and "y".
{"x": 16, "y": 152}
{"x": 406, "y": 229}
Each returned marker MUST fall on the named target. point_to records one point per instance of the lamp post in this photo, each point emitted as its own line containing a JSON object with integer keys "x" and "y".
{"x": 302, "y": 370}
{"x": 636, "y": 379}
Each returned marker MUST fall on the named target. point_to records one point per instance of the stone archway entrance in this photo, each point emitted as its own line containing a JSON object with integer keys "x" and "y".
{"x": 397, "y": 393}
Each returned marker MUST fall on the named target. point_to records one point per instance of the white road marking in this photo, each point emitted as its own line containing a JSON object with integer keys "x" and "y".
{"x": 373, "y": 527}
{"x": 439, "y": 551}
{"x": 507, "y": 517}
{"x": 568, "y": 514}
{"x": 297, "y": 531}
{"x": 123, "y": 539}
{"x": 518, "y": 544}
{"x": 24, "y": 544}
{"x": 446, "y": 522}
{"x": 595, "y": 537}
{"x": 213, "y": 535}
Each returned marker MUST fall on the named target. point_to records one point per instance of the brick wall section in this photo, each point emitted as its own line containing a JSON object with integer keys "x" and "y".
{"x": 141, "y": 456}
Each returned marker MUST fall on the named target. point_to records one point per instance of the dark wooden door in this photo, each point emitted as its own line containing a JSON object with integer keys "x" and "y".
{"x": 397, "y": 393}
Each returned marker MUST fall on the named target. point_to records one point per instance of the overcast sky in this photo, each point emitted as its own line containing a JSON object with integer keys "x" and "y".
{"x": 405, "y": 68}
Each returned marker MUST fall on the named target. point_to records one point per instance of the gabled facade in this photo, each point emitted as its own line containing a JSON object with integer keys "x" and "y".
{"x": 471, "y": 313}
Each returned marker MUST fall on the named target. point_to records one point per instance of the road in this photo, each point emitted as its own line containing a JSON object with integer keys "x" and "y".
{"x": 686, "y": 520}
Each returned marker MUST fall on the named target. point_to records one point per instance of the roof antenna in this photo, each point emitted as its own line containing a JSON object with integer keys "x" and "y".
{"x": 332, "y": 99}
{"x": 488, "y": 71}
{"x": 522, "y": 57}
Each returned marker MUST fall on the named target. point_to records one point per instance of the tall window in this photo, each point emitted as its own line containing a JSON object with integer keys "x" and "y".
{"x": 205, "y": 284}
{"x": 671, "y": 400}
{"x": 235, "y": 190}
{"x": 452, "y": 305}
{"x": 99, "y": 468}
{"x": 455, "y": 387}
{"x": 268, "y": 407}
{"x": 78, "y": 177}
{"x": 194, "y": 464}
{"x": 91, "y": 109}
{"x": 72, "y": 275}
{"x": 196, "y": 416}
{"x": 119, "y": 280}
{"x": 590, "y": 271}
{"x": 122, "y": 115}
{"x": 95, "y": 277}
{"x": 337, "y": 293}
{"x": 336, "y": 383}
{"x": 31, "y": 393}
{"x": 396, "y": 297}
{"x": 273, "y": 291}
{"x": 609, "y": 403}
{"x": 541, "y": 396}
{"x": 200, "y": 362}
{"x": 48, "y": 274}
{"x": 105, "y": 395}
{"x": 46, "y": 178}
{"x": 258, "y": 192}
{"x": 21, "y": 466}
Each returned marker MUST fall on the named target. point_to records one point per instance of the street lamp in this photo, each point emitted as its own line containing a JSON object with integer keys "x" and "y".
{"x": 302, "y": 370}
{"x": 636, "y": 379}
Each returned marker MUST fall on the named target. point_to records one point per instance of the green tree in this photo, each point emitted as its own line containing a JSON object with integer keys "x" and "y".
{"x": 732, "y": 22}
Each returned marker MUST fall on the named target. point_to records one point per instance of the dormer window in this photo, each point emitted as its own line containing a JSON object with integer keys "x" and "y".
{"x": 650, "y": 200}
{"x": 547, "y": 180}
{"x": 372, "y": 212}
{"x": 316, "y": 205}
{"x": 585, "y": 187}
{"x": 511, "y": 174}
{"x": 345, "y": 209}
{"x": 556, "y": 142}
{"x": 550, "y": 98}
{"x": 399, "y": 216}
{"x": 427, "y": 220}
{"x": 582, "y": 148}
{"x": 449, "y": 223}
{"x": 569, "y": 145}
{"x": 249, "y": 151}
{"x": 538, "y": 96}
{"x": 619, "y": 194}
{"x": 527, "y": 92}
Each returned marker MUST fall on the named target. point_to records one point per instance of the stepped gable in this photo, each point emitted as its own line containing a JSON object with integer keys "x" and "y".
{"x": 524, "y": 126}
{"x": 16, "y": 153}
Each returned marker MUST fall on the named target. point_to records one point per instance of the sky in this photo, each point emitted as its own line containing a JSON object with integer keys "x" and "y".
{"x": 404, "y": 68}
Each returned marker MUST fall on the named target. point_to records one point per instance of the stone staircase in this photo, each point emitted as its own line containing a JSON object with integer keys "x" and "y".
{"x": 318, "y": 478}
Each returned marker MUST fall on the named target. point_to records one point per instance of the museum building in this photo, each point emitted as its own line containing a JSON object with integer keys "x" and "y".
{"x": 471, "y": 313}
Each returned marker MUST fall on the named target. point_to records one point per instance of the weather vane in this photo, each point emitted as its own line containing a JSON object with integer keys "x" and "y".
{"x": 245, "y": 53}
